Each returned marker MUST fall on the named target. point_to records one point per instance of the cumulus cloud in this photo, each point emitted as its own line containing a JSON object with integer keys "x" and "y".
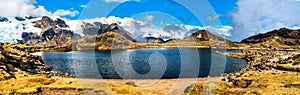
{"x": 224, "y": 31}
{"x": 260, "y": 16}
{"x": 26, "y": 7}
{"x": 39, "y": 11}
{"x": 65, "y": 13}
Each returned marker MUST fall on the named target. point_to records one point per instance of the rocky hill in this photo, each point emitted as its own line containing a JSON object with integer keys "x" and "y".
{"x": 204, "y": 35}
{"x": 277, "y": 38}
{"x": 104, "y": 41}
{"x": 52, "y": 33}
{"x": 205, "y": 39}
{"x": 89, "y": 29}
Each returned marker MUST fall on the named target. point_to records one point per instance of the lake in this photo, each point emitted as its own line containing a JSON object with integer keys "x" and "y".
{"x": 144, "y": 63}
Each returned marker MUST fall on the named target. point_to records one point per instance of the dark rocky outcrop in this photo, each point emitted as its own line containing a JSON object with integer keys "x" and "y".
{"x": 14, "y": 58}
{"x": 100, "y": 28}
{"x": 30, "y": 17}
{"x": 205, "y": 38}
{"x": 105, "y": 41}
{"x": 19, "y": 18}
{"x": 3, "y": 19}
{"x": 282, "y": 36}
{"x": 47, "y": 22}
{"x": 203, "y": 35}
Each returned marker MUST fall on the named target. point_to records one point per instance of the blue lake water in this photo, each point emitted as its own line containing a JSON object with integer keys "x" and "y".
{"x": 144, "y": 63}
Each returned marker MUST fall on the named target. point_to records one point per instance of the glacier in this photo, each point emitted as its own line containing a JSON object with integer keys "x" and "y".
{"x": 12, "y": 28}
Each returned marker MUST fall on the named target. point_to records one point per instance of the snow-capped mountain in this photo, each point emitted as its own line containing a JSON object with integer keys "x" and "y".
{"x": 11, "y": 28}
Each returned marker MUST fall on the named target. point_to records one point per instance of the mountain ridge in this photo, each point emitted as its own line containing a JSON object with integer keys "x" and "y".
{"x": 280, "y": 38}
{"x": 55, "y": 31}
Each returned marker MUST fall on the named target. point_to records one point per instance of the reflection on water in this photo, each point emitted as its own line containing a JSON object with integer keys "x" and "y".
{"x": 144, "y": 63}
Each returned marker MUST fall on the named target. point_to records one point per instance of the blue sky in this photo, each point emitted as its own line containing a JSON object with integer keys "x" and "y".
{"x": 221, "y": 7}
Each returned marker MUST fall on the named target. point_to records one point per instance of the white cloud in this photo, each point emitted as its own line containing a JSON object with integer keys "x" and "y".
{"x": 83, "y": 6}
{"x": 119, "y": 0}
{"x": 16, "y": 7}
{"x": 26, "y": 7}
{"x": 221, "y": 31}
{"x": 214, "y": 18}
{"x": 39, "y": 11}
{"x": 260, "y": 16}
{"x": 65, "y": 13}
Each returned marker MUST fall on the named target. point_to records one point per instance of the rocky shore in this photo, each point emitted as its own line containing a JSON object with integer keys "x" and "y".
{"x": 267, "y": 59}
{"x": 266, "y": 70}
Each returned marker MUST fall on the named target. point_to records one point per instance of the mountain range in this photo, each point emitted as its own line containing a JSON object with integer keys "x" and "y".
{"x": 55, "y": 31}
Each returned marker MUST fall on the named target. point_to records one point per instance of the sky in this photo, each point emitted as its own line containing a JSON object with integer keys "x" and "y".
{"x": 222, "y": 8}
{"x": 232, "y": 19}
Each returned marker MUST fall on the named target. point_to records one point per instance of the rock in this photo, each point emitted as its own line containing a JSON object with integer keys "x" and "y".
{"x": 242, "y": 83}
{"x": 19, "y": 18}
{"x": 131, "y": 83}
{"x": 30, "y": 17}
{"x": 69, "y": 82}
{"x": 3, "y": 19}
{"x": 190, "y": 88}
{"x": 10, "y": 67}
{"x": 100, "y": 92}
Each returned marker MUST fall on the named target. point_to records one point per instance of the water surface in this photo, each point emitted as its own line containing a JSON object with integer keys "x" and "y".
{"x": 144, "y": 63}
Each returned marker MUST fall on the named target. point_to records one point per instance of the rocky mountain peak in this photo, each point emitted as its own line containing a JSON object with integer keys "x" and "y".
{"x": 283, "y": 36}
{"x": 53, "y": 32}
{"x": 96, "y": 28}
{"x": 47, "y": 22}
{"x": 204, "y": 35}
